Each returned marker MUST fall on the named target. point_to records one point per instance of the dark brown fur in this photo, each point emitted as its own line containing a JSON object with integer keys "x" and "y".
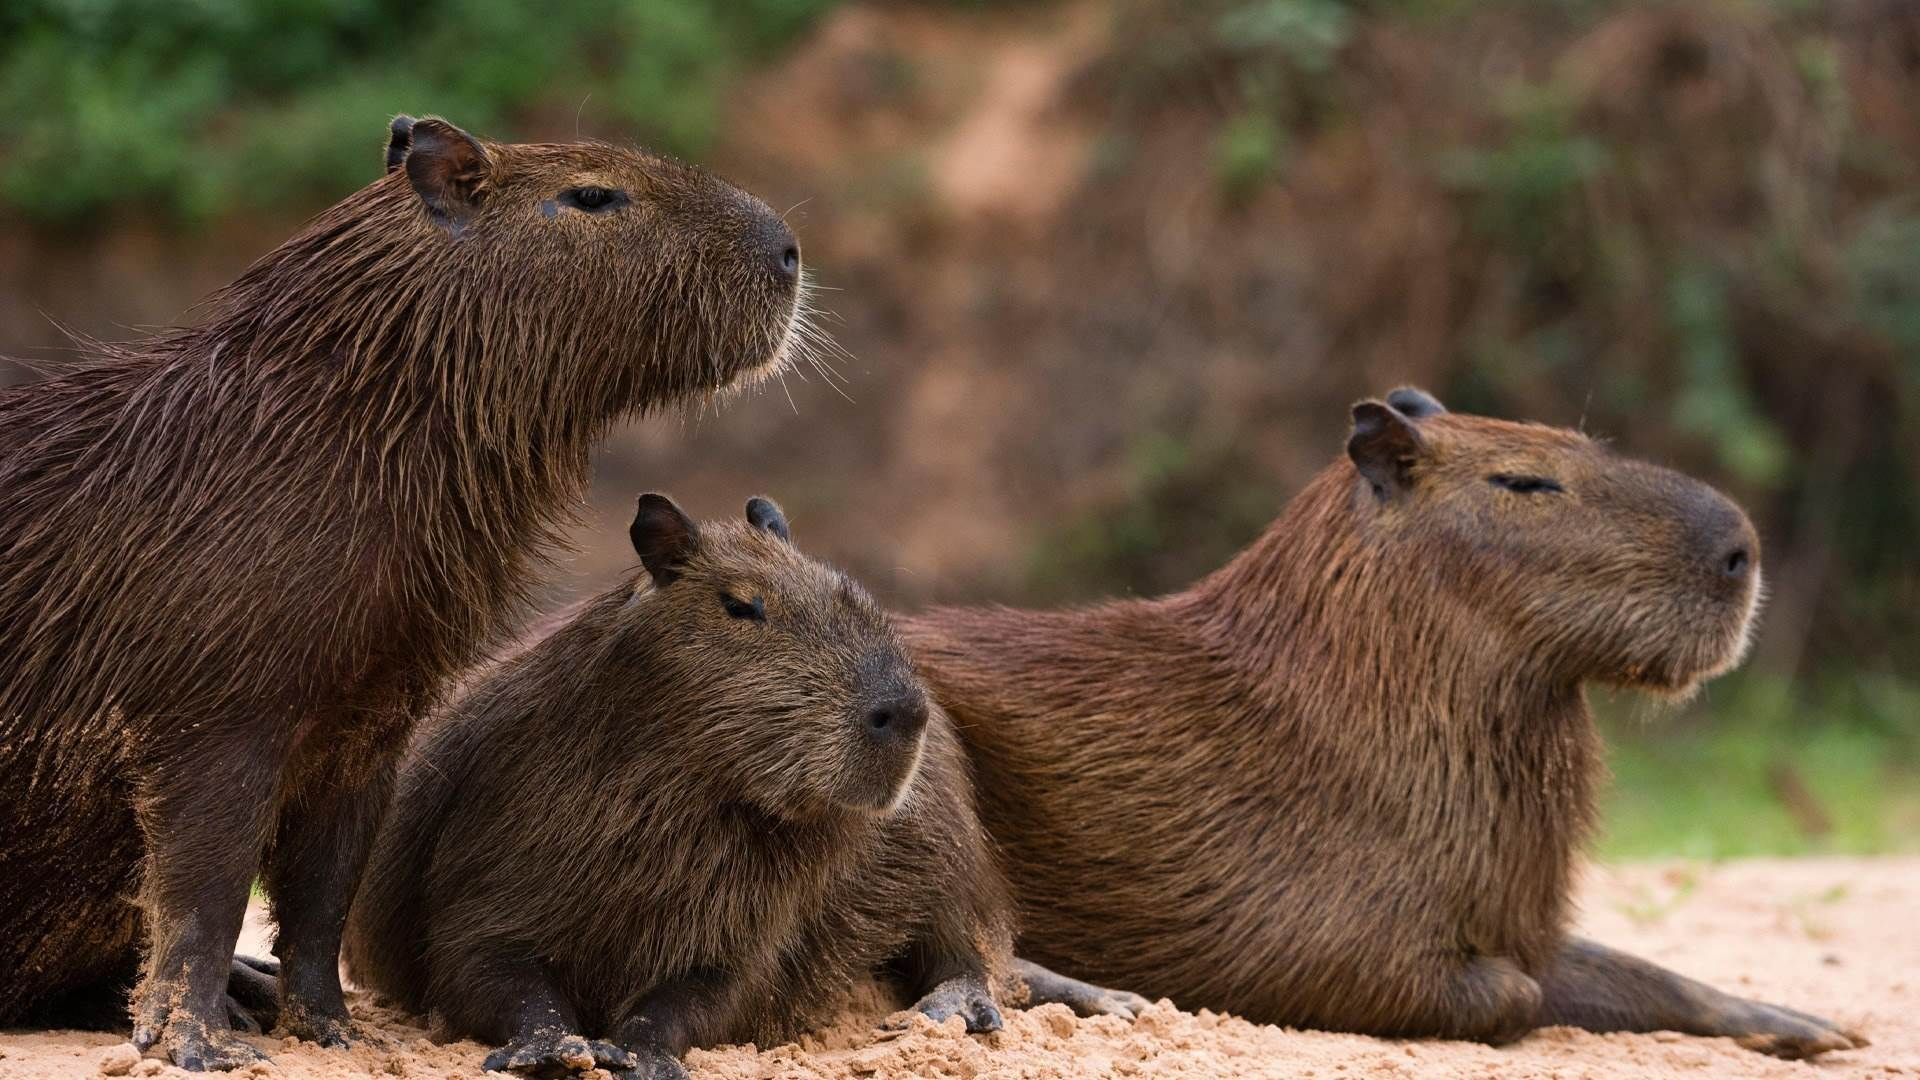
{"x": 238, "y": 559}
{"x": 1342, "y": 782}
{"x": 670, "y": 824}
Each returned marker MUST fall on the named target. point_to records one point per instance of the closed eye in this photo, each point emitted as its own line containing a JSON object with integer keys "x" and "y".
{"x": 1524, "y": 485}
{"x": 754, "y": 609}
{"x": 594, "y": 200}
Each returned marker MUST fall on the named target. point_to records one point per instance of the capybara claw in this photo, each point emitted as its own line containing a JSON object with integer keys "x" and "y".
{"x": 1124, "y": 1004}
{"x": 1045, "y": 986}
{"x": 1793, "y": 1035}
{"x": 653, "y": 1066}
{"x": 329, "y": 1028}
{"x": 557, "y": 1055}
{"x": 199, "y": 1050}
{"x": 964, "y": 997}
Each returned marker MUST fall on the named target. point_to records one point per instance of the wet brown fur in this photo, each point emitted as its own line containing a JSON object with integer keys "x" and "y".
{"x": 239, "y": 558}
{"x": 1342, "y": 782}
{"x": 663, "y": 810}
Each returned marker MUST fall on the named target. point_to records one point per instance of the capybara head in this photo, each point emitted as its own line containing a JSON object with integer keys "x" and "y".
{"x": 1596, "y": 566}
{"x": 590, "y": 278}
{"x": 805, "y": 695}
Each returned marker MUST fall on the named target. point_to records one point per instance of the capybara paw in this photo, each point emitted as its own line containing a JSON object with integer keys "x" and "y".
{"x": 558, "y": 1054}
{"x": 964, "y": 998}
{"x": 194, "y": 1048}
{"x": 1084, "y": 998}
{"x": 329, "y": 1027}
{"x": 1791, "y": 1034}
{"x": 265, "y": 965}
{"x": 253, "y": 998}
{"x": 653, "y": 1065}
{"x": 241, "y": 1019}
{"x": 1124, "y": 1004}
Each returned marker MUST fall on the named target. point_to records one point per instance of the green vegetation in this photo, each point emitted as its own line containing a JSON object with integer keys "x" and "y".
{"x": 1758, "y": 767}
{"x": 195, "y": 108}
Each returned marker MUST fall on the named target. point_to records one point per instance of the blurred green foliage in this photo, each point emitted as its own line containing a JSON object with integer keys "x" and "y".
{"x": 197, "y": 107}
{"x": 1763, "y": 766}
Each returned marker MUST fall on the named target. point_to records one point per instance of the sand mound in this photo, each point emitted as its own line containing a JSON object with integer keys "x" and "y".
{"x": 1832, "y": 936}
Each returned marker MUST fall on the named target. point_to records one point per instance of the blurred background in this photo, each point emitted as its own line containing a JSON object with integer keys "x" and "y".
{"x": 1108, "y": 275}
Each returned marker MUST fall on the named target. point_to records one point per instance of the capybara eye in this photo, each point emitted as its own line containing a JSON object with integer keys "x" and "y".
{"x": 756, "y": 609}
{"x": 1524, "y": 485}
{"x": 593, "y": 199}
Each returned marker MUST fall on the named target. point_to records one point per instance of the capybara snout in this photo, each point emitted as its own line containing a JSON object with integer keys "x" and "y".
{"x": 1616, "y": 570}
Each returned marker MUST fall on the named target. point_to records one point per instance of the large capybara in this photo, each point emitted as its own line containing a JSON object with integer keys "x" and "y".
{"x": 1343, "y": 781}
{"x": 695, "y": 812}
{"x": 238, "y": 559}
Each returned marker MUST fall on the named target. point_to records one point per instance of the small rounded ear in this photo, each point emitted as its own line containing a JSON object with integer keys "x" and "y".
{"x": 449, "y": 169}
{"x": 1415, "y": 403}
{"x": 399, "y": 140}
{"x": 663, "y": 536}
{"x": 1384, "y": 447}
{"x": 764, "y": 513}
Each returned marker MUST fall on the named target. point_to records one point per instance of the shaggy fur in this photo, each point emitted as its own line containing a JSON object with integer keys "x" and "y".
{"x": 696, "y": 811}
{"x": 238, "y": 559}
{"x": 1341, "y": 782}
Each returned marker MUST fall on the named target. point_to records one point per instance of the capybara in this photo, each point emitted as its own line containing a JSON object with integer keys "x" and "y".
{"x": 238, "y": 559}
{"x": 1342, "y": 782}
{"x": 694, "y": 812}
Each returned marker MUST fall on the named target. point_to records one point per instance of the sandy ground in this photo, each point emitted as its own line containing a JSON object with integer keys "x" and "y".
{"x": 1840, "y": 937}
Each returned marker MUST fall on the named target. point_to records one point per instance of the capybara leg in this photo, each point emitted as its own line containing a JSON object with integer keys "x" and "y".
{"x": 505, "y": 998}
{"x": 672, "y": 1017}
{"x": 1046, "y": 986}
{"x": 1488, "y": 1000}
{"x": 1593, "y": 987}
{"x": 253, "y": 998}
{"x": 204, "y": 814}
{"x": 320, "y": 847}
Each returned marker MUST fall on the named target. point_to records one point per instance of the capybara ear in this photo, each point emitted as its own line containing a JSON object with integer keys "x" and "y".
{"x": 1415, "y": 403}
{"x": 663, "y": 536}
{"x": 399, "y": 141}
{"x": 449, "y": 169}
{"x": 1384, "y": 447}
{"x": 764, "y": 513}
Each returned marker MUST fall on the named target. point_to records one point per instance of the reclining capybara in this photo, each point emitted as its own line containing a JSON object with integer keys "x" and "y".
{"x": 238, "y": 559}
{"x": 1342, "y": 782}
{"x": 696, "y": 811}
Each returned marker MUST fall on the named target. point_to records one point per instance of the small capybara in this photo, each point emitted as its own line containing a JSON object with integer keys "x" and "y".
{"x": 238, "y": 559}
{"x": 694, "y": 812}
{"x": 1342, "y": 782}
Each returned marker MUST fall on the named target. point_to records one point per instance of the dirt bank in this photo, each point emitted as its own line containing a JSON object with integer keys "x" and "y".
{"x": 1834, "y": 936}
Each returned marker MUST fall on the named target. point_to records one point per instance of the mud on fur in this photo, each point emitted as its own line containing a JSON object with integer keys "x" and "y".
{"x": 239, "y": 558}
{"x": 696, "y": 811}
{"x": 1342, "y": 782}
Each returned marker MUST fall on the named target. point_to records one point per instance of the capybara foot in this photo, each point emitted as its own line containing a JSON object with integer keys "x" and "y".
{"x": 329, "y": 1028}
{"x": 557, "y": 1053}
{"x": 1046, "y": 986}
{"x": 964, "y": 996}
{"x": 189, "y": 1044}
{"x": 653, "y": 1065}
{"x": 160, "y": 1020}
{"x": 1788, "y": 1033}
{"x": 253, "y": 996}
{"x": 265, "y": 965}
{"x": 311, "y": 1008}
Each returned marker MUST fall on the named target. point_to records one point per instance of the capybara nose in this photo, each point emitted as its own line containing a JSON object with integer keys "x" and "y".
{"x": 896, "y": 719}
{"x": 778, "y": 246}
{"x": 1736, "y": 562}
